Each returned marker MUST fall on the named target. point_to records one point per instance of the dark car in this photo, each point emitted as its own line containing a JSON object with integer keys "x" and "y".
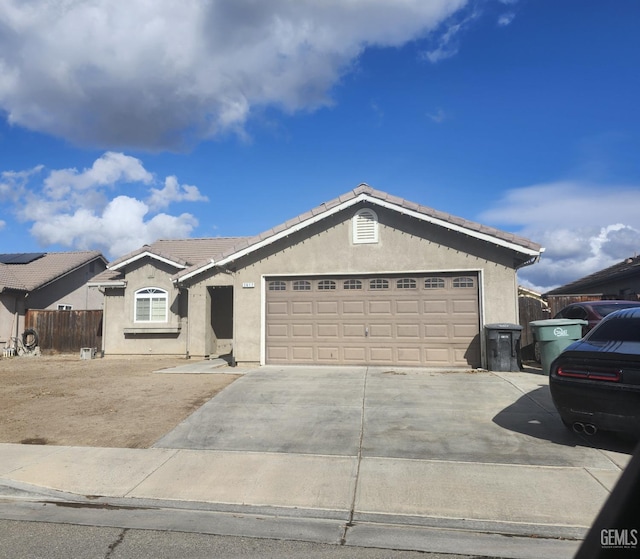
{"x": 594, "y": 311}
{"x": 595, "y": 382}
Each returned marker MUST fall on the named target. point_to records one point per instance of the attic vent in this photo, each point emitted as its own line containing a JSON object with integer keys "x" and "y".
{"x": 365, "y": 227}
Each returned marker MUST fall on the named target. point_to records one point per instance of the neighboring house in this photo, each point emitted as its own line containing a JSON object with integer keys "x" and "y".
{"x": 620, "y": 281}
{"x": 46, "y": 280}
{"x": 367, "y": 278}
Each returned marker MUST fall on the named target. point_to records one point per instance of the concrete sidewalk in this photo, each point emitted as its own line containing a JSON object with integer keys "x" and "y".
{"x": 401, "y": 499}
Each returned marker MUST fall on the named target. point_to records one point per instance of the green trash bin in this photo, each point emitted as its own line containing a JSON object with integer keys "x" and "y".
{"x": 554, "y": 335}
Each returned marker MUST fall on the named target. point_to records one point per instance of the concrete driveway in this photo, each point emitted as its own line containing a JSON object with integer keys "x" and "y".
{"x": 490, "y": 418}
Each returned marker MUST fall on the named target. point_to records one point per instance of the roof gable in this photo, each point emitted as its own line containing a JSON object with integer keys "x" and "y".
{"x": 179, "y": 253}
{"x": 365, "y": 193}
{"x": 31, "y": 274}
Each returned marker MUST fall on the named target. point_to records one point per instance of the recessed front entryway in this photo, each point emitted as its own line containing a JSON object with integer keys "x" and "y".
{"x": 222, "y": 318}
{"x": 404, "y": 320}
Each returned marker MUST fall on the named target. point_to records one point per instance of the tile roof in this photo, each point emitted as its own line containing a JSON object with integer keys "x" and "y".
{"x": 43, "y": 270}
{"x": 628, "y": 267}
{"x": 245, "y": 243}
{"x": 182, "y": 252}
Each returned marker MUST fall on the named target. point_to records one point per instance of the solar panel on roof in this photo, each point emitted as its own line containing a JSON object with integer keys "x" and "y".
{"x": 20, "y": 257}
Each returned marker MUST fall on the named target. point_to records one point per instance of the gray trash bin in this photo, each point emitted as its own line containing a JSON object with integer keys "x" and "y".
{"x": 503, "y": 346}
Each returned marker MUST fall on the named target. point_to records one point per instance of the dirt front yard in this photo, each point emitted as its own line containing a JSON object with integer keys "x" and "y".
{"x": 110, "y": 402}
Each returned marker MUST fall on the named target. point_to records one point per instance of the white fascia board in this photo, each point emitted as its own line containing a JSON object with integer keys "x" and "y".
{"x": 107, "y": 284}
{"x": 458, "y": 228}
{"x": 143, "y": 255}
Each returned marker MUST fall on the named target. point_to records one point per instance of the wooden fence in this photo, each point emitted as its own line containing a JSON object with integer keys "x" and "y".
{"x": 66, "y": 331}
{"x": 531, "y": 308}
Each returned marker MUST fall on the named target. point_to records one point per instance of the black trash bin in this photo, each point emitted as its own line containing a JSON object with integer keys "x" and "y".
{"x": 503, "y": 346}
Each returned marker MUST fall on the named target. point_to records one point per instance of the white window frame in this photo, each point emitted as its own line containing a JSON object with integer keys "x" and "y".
{"x": 150, "y": 294}
{"x": 365, "y": 227}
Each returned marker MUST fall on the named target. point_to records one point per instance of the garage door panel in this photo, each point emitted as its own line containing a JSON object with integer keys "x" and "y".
{"x": 353, "y": 307}
{"x": 381, "y": 331}
{"x": 278, "y": 308}
{"x": 302, "y": 331}
{"x": 430, "y": 323}
{"x": 408, "y": 331}
{"x": 436, "y": 331}
{"x": 278, "y": 353}
{"x": 328, "y": 331}
{"x": 465, "y": 307}
{"x": 438, "y": 356}
{"x": 329, "y": 354}
{"x": 302, "y": 354}
{"x": 409, "y": 356}
{"x": 381, "y": 355}
{"x": 329, "y": 308}
{"x": 354, "y": 355}
{"x": 464, "y": 330}
{"x": 354, "y": 330}
{"x": 435, "y": 307}
{"x": 408, "y": 307}
{"x": 302, "y": 308}
{"x": 277, "y": 331}
{"x": 380, "y": 307}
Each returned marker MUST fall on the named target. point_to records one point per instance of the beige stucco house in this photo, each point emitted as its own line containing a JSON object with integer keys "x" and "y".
{"x": 367, "y": 278}
{"x": 46, "y": 280}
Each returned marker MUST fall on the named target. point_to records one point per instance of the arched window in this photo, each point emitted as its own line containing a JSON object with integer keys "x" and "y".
{"x": 365, "y": 227}
{"x": 434, "y": 283}
{"x": 302, "y": 285}
{"x": 406, "y": 283}
{"x": 463, "y": 281}
{"x": 352, "y": 284}
{"x": 151, "y": 305}
{"x": 378, "y": 284}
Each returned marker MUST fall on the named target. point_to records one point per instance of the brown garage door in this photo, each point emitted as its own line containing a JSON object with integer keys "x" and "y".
{"x": 427, "y": 319}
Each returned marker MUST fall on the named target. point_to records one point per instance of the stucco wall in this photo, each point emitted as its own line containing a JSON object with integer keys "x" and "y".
{"x": 124, "y": 336}
{"x": 405, "y": 245}
{"x": 9, "y": 325}
{"x": 70, "y": 289}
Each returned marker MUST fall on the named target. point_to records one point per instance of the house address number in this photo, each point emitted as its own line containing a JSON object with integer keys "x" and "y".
{"x": 248, "y": 284}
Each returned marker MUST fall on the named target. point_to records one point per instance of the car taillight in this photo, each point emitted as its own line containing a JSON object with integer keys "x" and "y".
{"x": 590, "y": 373}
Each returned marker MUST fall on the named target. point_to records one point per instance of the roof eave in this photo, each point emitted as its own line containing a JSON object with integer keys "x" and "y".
{"x": 107, "y": 284}
{"x": 145, "y": 254}
{"x": 362, "y": 197}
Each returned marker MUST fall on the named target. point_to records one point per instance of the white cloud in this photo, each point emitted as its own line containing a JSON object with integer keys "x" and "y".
{"x": 173, "y": 191}
{"x": 448, "y": 41}
{"x": 506, "y": 19}
{"x": 438, "y": 117}
{"x": 109, "y": 169}
{"x": 163, "y": 73}
{"x": 584, "y": 227}
{"x": 83, "y": 210}
{"x": 13, "y": 183}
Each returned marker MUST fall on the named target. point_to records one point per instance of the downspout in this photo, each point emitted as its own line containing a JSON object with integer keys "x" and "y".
{"x": 185, "y": 291}
{"x": 104, "y": 321}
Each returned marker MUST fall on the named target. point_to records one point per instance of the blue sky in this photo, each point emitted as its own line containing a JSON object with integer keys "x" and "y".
{"x": 224, "y": 118}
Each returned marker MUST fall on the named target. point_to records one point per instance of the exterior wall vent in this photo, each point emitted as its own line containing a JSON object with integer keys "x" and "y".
{"x": 365, "y": 227}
